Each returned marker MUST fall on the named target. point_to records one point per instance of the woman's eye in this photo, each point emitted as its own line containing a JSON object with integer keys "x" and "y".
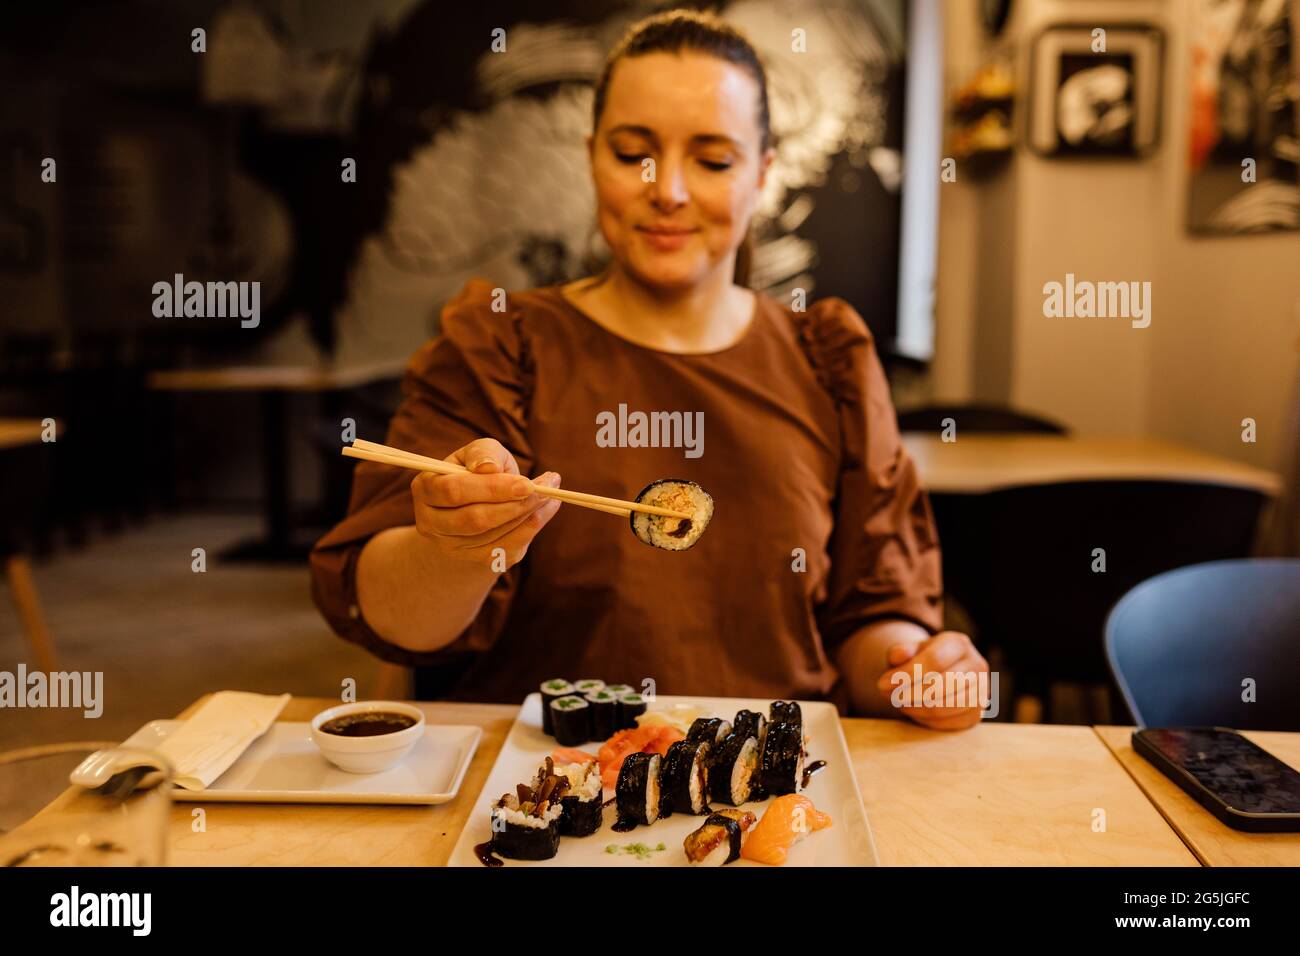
{"x": 715, "y": 165}
{"x": 629, "y": 158}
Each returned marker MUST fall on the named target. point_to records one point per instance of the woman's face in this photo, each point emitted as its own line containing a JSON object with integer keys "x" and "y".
{"x": 677, "y": 165}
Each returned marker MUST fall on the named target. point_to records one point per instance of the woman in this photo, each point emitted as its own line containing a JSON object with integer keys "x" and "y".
{"x": 819, "y": 574}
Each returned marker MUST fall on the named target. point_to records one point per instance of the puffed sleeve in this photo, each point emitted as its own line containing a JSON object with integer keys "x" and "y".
{"x": 473, "y": 381}
{"x": 884, "y": 550}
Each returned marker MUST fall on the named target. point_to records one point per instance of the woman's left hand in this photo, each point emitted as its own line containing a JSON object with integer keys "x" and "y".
{"x": 948, "y": 652}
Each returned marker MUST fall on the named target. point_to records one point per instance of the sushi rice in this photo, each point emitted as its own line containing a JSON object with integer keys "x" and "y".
{"x": 673, "y": 534}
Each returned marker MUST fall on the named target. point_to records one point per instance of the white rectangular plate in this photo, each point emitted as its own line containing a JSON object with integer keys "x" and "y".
{"x": 833, "y": 790}
{"x": 285, "y": 766}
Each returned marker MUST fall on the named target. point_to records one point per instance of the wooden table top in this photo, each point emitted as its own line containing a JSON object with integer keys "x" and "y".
{"x": 16, "y": 432}
{"x": 286, "y": 378}
{"x": 1214, "y": 843}
{"x": 976, "y": 464}
{"x": 996, "y": 795}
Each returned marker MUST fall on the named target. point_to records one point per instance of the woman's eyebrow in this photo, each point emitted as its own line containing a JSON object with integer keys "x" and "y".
{"x": 702, "y": 138}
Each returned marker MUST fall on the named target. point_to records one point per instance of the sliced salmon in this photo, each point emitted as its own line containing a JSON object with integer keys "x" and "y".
{"x": 651, "y": 740}
{"x": 788, "y": 820}
{"x": 565, "y": 755}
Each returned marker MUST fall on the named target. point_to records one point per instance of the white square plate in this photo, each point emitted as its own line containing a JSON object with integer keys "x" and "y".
{"x": 833, "y": 790}
{"x": 285, "y": 766}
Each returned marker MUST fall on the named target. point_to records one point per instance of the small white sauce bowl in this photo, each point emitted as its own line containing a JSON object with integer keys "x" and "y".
{"x": 367, "y": 754}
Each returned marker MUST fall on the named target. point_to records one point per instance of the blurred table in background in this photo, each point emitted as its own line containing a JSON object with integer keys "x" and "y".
{"x": 274, "y": 384}
{"x": 1214, "y": 843}
{"x": 976, "y": 464}
{"x": 1042, "y": 534}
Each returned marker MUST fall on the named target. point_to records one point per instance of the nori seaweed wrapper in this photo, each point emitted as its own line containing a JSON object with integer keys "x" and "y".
{"x": 675, "y": 777}
{"x": 749, "y": 723}
{"x": 786, "y": 711}
{"x": 630, "y": 791}
{"x": 527, "y": 843}
{"x": 572, "y": 723}
{"x": 780, "y": 763}
{"x": 728, "y": 824}
{"x": 580, "y": 817}
{"x": 723, "y": 760}
{"x": 630, "y": 707}
{"x": 549, "y": 695}
{"x": 604, "y": 713}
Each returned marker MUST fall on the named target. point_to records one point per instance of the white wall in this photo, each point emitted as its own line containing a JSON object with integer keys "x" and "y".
{"x": 1222, "y": 343}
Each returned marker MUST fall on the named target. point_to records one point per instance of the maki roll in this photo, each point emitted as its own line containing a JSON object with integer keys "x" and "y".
{"x": 603, "y": 706}
{"x": 629, "y": 708}
{"x": 673, "y": 534}
{"x": 584, "y": 687}
{"x": 781, "y": 764}
{"x": 733, "y": 769}
{"x": 526, "y": 823}
{"x": 618, "y": 690}
{"x": 717, "y": 841}
{"x": 571, "y": 720}
{"x": 552, "y": 690}
{"x": 750, "y": 723}
{"x": 684, "y": 779}
{"x": 754, "y": 724}
{"x": 582, "y": 799}
{"x": 709, "y": 729}
{"x": 636, "y": 796}
{"x": 787, "y": 711}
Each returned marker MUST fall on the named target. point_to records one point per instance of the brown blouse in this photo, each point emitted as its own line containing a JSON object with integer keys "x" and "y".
{"x": 819, "y": 525}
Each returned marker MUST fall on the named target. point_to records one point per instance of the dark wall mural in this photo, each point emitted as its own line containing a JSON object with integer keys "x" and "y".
{"x": 226, "y": 164}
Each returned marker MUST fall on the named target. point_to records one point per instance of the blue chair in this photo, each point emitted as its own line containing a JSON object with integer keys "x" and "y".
{"x": 1180, "y": 645}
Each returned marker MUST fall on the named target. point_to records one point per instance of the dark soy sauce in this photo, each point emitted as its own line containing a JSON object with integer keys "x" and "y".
{"x": 811, "y": 769}
{"x": 624, "y": 826}
{"x": 485, "y": 856}
{"x": 367, "y": 724}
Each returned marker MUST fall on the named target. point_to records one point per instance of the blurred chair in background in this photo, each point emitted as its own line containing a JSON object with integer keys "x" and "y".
{"x": 1183, "y": 646}
{"x": 24, "y": 478}
{"x": 1056, "y": 558}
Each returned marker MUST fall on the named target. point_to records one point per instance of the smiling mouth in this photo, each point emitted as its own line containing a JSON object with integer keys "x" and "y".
{"x": 665, "y": 232}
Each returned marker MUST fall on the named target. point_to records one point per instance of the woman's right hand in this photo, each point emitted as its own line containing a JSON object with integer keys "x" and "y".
{"x": 470, "y": 516}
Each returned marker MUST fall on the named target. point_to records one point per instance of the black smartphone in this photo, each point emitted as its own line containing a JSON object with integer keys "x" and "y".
{"x": 1242, "y": 784}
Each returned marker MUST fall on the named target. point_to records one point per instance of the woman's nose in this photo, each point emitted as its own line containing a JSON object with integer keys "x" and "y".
{"x": 668, "y": 188}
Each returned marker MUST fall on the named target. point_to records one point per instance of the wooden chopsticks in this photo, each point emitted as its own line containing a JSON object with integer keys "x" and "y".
{"x": 386, "y": 455}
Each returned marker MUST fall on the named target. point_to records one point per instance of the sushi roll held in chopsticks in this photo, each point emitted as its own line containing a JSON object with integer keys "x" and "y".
{"x": 717, "y": 842}
{"x": 637, "y": 793}
{"x": 673, "y": 534}
{"x": 684, "y": 779}
{"x": 582, "y": 800}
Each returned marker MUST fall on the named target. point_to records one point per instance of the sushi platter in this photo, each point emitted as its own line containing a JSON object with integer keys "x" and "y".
{"x": 674, "y": 781}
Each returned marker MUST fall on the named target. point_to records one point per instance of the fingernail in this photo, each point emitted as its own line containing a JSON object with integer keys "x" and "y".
{"x": 555, "y": 479}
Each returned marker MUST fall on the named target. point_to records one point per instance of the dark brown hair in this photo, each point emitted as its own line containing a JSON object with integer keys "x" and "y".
{"x": 672, "y": 32}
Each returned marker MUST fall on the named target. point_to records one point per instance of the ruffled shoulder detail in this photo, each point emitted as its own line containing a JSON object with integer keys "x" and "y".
{"x": 489, "y": 328}
{"x": 837, "y": 343}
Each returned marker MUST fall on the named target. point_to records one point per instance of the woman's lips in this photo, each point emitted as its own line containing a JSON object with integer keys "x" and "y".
{"x": 666, "y": 240}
